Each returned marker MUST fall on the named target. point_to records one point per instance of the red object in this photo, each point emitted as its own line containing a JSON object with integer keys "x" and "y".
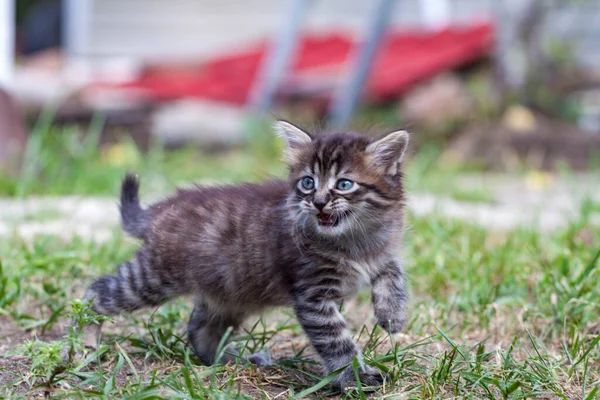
{"x": 404, "y": 59}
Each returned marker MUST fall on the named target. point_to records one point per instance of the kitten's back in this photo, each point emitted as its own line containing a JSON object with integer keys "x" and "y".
{"x": 229, "y": 242}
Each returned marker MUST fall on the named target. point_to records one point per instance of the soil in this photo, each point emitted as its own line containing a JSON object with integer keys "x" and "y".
{"x": 548, "y": 146}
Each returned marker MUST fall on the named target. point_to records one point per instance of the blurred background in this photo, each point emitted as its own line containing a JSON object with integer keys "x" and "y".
{"x": 502, "y": 100}
{"x": 502, "y": 97}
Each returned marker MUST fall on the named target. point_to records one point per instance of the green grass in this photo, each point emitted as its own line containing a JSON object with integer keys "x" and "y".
{"x": 513, "y": 316}
{"x": 67, "y": 161}
{"x": 472, "y": 196}
{"x": 509, "y": 315}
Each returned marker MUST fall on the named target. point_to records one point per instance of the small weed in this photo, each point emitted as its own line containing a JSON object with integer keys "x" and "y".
{"x": 515, "y": 319}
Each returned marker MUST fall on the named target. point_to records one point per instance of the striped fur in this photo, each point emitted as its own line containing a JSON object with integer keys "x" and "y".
{"x": 134, "y": 219}
{"x": 241, "y": 249}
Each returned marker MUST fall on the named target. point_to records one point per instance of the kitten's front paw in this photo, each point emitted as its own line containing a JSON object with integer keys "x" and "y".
{"x": 392, "y": 325}
{"x": 369, "y": 376}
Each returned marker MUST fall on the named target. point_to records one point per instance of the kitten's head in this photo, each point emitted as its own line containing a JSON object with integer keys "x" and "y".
{"x": 343, "y": 182}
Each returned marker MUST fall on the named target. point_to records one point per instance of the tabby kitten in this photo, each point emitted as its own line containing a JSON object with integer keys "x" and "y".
{"x": 308, "y": 242}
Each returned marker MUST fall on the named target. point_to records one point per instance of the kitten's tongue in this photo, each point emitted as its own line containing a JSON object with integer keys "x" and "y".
{"x": 326, "y": 219}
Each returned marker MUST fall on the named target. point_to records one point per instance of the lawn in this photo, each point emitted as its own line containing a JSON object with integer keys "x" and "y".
{"x": 511, "y": 314}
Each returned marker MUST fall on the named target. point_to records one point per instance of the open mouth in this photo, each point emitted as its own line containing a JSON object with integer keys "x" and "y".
{"x": 328, "y": 220}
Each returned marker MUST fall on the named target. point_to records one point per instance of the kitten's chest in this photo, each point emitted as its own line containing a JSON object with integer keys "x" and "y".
{"x": 355, "y": 275}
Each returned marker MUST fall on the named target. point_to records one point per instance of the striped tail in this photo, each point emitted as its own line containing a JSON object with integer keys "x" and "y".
{"x": 135, "y": 286}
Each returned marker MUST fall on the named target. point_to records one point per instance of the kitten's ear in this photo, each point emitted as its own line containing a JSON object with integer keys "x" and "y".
{"x": 387, "y": 153}
{"x": 294, "y": 137}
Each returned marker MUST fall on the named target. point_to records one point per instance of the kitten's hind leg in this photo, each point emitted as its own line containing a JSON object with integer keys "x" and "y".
{"x": 206, "y": 330}
{"x": 261, "y": 358}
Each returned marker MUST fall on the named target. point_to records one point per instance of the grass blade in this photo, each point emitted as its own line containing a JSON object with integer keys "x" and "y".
{"x": 322, "y": 383}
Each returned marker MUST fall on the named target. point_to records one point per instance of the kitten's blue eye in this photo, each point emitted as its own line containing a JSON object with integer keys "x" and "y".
{"x": 308, "y": 183}
{"x": 344, "y": 184}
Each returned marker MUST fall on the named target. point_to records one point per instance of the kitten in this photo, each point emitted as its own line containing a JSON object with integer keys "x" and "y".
{"x": 308, "y": 242}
